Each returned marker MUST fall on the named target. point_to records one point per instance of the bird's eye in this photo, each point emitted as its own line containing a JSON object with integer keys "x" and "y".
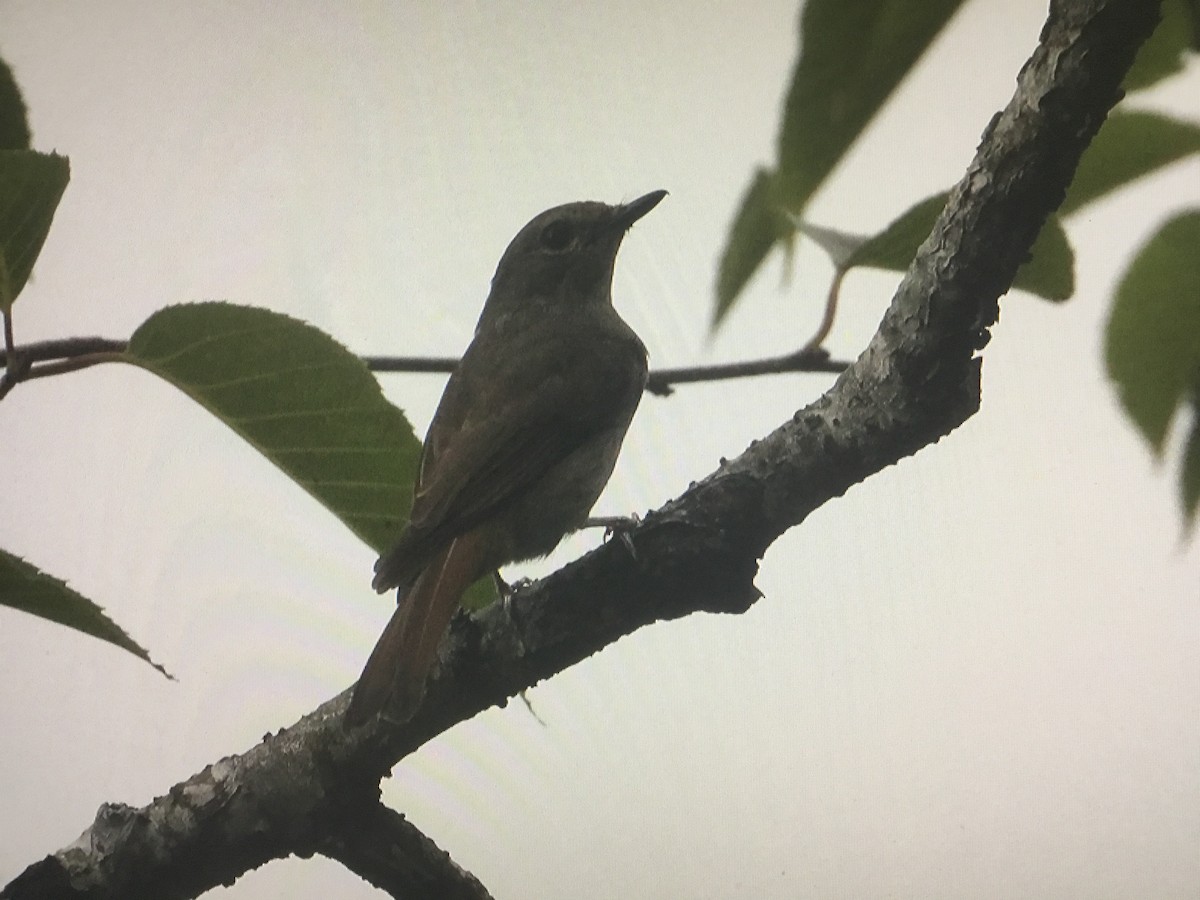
{"x": 557, "y": 236}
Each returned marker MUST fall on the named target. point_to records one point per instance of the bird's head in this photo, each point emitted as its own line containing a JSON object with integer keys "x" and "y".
{"x": 565, "y": 255}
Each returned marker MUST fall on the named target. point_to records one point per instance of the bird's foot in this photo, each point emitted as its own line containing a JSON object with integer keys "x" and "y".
{"x": 620, "y": 527}
{"x": 506, "y": 592}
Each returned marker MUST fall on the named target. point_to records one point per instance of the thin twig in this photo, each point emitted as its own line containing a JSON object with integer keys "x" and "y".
{"x": 810, "y": 359}
{"x": 72, "y": 354}
{"x": 73, "y": 364}
{"x": 60, "y": 348}
{"x": 806, "y": 360}
{"x": 442, "y": 364}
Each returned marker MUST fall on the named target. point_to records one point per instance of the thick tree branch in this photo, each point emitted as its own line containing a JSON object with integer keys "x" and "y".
{"x": 280, "y": 798}
{"x": 387, "y": 850}
{"x": 916, "y": 381}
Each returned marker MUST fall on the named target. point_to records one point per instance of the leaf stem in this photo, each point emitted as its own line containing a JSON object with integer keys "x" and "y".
{"x": 16, "y": 365}
{"x": 831, "y": 303}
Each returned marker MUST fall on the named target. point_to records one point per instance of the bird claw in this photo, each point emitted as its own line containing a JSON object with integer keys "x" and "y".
{"x": 620, "y": 527}
{"x": 506, "y": 592}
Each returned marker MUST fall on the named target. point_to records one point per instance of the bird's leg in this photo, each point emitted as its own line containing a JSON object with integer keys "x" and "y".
{"x": 506, "y": 591}
{"x": 620, "y": 526}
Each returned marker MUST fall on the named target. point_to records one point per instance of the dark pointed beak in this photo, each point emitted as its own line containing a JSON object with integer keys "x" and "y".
{"x": 631, "y": 212}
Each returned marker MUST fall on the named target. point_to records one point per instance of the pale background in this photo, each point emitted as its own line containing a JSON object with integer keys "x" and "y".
{"x": 976, "y": 675}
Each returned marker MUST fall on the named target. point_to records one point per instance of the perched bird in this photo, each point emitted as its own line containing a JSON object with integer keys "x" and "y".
{"x": 523, "y": 441}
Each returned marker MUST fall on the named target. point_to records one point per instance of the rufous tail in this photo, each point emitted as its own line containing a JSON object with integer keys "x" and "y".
{"x": 395, "y": 673}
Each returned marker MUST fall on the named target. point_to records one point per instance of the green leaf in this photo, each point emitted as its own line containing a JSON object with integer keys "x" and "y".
{"x": 1049, "y": 273}
{"x": 1153, "y": 339}
{"x": 300, "y": 398}
{"x": 839, "y": 246}
{"x": 1128, "y": 146}
{"x": 30, "y": 590}
{"x": 1191, "y": 9}
{"x": 1163, "y": 53}
{"x": 31, "y": 184}
{"x": 480, "y": 594}
{"x": 759, "y": 224}
{"x": 895, "y": 246}
{"x": 14, "y": 123}
{"x": 852, "y": 57}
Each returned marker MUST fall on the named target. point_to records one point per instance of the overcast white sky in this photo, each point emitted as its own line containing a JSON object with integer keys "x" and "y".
{"x": 976, "y": 675}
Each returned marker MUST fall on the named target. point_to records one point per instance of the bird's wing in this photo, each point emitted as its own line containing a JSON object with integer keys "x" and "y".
{"x": 493, "y": 457}
{"x": 481, "y": 456}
